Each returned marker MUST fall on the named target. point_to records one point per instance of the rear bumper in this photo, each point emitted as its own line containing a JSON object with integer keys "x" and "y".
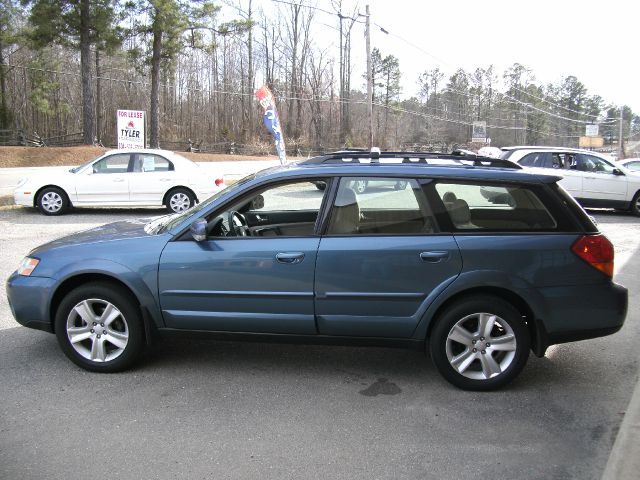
{"x": 581, "y": 313}
{"x": 22, "y": 198}
{"x": 29, "y": 300}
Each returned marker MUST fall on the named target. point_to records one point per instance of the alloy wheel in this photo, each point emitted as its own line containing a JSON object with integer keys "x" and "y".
{"x": 51, "y": 202}
{"x": 179, "y": 202}
{"x": 481, "y": 346}
{"x": 97, "y": 330}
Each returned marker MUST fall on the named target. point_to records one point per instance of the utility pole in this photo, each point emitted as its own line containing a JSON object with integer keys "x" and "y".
{"x": 620, "y": 146}
{"x": 367, "y": 34}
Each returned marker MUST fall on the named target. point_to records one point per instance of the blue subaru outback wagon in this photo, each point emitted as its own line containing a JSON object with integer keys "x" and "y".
{"x": 467, "y": 257}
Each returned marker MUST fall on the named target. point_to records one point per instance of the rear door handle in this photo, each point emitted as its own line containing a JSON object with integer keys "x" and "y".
{"x": 290, "y": 257}
{"x": 118, "y": 179}
{"x": 434, "y": 257}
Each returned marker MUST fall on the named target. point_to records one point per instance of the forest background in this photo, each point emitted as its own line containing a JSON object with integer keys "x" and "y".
{"x": 67, "y": 66}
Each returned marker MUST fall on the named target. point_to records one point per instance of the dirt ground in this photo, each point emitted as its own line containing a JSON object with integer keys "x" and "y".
{"x": 63, "y": 156}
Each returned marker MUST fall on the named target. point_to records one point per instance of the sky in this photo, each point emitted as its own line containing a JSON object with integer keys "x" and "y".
{"x": 595, "y": 41}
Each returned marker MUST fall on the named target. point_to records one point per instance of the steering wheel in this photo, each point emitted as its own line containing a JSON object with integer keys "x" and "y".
{"x": 238, "y": 225}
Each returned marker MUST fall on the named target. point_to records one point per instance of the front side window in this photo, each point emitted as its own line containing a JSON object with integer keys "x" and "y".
{"x": 285, "y": 209}
{"x": 388, "y": 206}
{"x": 118, "y": 163}
{"x": 589, "y": 163}
{"x": 475, "y": 206}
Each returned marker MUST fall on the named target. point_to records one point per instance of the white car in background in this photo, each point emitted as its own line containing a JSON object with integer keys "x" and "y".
{"x": 121, "y": 178}
{"x": 632, "y": 164}
{"x": 593, "y": 179}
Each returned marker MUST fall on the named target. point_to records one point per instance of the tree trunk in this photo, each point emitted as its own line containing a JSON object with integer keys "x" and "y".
{"x": 98, "y": 98}
{"x": 5, "y": 118}
{"x": 88, "y": 124}
{"x": 154, "y": 117}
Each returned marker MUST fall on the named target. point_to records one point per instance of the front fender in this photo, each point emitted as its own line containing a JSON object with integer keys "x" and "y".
{"x": 141, "y": 286}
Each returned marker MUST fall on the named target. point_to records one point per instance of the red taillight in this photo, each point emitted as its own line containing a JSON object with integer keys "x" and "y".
{"x": 219, "y": 181}
{"x": 597, "y": 251}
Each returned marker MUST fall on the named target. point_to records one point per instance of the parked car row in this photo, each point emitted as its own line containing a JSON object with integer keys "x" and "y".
{"x": 121, "y": 178}
{"x": 593, "y": 179}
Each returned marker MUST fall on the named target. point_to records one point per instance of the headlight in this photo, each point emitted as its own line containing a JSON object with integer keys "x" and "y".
{"x": 22, "y": 181}
{"x": 27, "y": 266}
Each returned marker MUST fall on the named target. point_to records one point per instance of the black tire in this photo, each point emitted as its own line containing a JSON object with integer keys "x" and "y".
{"x": 634, "y": 208}
{"x": 116, "y": 342}
{"x": 52, "y": 201}
{"x": 179, "y": 199}
{"x": 481, "y": 365}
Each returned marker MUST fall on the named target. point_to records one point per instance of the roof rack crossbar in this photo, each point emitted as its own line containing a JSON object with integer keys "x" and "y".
{"x": 459, "y": 158}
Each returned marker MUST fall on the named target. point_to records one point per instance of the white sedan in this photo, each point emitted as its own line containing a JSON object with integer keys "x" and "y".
{"x": 121, "y": 178}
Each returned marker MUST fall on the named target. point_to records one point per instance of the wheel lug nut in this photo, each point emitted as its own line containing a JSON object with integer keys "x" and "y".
{"x": 94, "y": 324}
{"x": 473, "y": 341}
{"x": 475, "y": 350}
{"x": 488, "y": 344}
{"x": 483, "y": 351}
{"x": 102, "y": 324}
{"x": 93, "y": 331}
{"x": 98, "y": 335}
{"x": 481, "y": 338}
{"x": 104, "y": 332}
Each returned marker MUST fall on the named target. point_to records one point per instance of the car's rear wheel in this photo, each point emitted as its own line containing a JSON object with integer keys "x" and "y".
{"x": 98, "y": 327}
{"x": 52, "y": 201}
{"x": 179, "y": 200}
{"x": 480, "y": 343}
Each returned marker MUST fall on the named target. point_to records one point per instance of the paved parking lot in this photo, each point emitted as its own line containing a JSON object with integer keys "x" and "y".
{"x": 211, "y": 409}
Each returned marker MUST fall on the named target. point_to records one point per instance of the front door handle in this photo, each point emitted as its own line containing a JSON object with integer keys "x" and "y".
{"x": 434, "y": 257}
{"x": 290, "y": 257}
{"x": 118, "y": 179}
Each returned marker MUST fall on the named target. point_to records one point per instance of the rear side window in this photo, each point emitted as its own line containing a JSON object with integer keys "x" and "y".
{"x": 537, "y": 159}
{"x": 387, "y": 206}
{"x": 479, "y": 206}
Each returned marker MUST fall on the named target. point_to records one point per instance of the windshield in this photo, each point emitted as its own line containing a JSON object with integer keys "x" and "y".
{"x": 78, "y": 168}
{"x": 162, "y": 224}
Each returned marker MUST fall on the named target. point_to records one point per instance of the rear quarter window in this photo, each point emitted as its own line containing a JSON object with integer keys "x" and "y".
{"x": 494, "y": 207}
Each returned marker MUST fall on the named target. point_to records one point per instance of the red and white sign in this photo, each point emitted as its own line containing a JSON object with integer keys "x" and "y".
{"x": 130, "y": 128}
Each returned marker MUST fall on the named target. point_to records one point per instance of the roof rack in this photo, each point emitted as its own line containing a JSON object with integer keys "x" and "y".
{"x": 376, "y": 157}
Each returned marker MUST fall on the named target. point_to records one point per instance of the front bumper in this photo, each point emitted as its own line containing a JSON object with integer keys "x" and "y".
{"x": 29, "y": 299}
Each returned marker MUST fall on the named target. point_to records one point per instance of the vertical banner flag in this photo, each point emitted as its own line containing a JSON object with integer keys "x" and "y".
{"x": 271, "y": 121}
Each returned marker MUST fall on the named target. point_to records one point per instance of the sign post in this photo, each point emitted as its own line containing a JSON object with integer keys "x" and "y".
{"x": 130, "y": 128}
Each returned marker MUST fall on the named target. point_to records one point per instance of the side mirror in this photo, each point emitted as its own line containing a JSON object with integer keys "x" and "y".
{"x": 618, "y": 172}
{"x": 199, "y": 229}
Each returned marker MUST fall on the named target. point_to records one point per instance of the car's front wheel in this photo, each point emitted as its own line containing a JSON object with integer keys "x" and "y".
{"x": 479, "y": 343}
{"x": 635, "y": 205}
{"x": 99, "y": 328}
{"x": 179, "y": 200}
{"x": 52, "y": 201}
